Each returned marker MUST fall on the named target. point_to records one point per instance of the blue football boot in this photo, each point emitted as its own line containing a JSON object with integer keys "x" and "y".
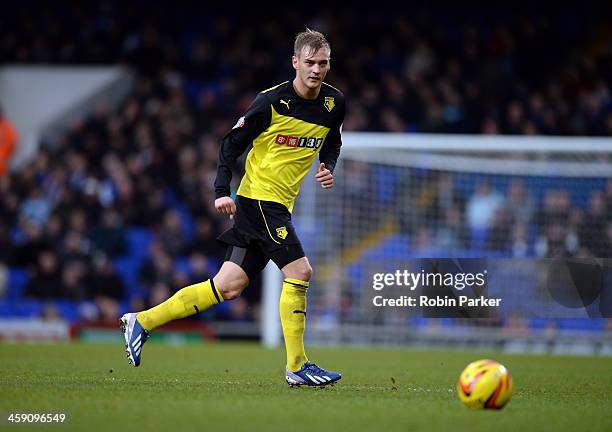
{"x": 311, "y": 375}
{"x": 135, "y": 337}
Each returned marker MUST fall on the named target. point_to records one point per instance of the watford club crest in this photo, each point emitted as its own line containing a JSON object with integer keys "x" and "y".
{"x": 282, "y": 232}
{"x": 329, "y": 103}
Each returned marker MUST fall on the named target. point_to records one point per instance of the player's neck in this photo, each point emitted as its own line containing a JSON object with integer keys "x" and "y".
{"x": 305, "y": 92}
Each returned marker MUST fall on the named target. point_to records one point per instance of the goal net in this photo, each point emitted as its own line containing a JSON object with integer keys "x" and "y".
{"x": 525, "y": 205}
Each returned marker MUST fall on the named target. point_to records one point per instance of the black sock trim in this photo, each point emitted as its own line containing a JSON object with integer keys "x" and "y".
{"x": 295, "y": 285}
{"x": 214, "y": 290}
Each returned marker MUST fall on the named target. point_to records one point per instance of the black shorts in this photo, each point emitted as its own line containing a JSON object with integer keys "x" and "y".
{"x": 262, "y": 231}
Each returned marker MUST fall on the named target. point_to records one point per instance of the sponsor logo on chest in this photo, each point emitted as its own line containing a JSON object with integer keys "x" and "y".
{"x": 294, "y": 141}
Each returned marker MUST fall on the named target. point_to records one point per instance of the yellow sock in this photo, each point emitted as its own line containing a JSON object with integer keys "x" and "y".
{"x": 185, "y": 302}
{"x": 293, "y": 319}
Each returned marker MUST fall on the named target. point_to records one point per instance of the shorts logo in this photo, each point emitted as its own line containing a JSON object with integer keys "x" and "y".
{"x": 293, "y": 141}
{"x": 282, "y": 232}
{"x": 239, "y": 123}
{"x": 329, "y": 103}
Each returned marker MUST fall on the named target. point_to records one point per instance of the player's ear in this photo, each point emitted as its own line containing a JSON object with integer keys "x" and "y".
{"x": 294, "y": 62}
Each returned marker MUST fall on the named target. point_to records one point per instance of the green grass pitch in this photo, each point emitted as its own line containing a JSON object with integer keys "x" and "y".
{"x": 240, "y": 387}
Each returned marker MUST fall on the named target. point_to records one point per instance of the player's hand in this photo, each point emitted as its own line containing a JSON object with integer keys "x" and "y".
{"x": 226, "y": 205}
{"x": 325, "y": 177}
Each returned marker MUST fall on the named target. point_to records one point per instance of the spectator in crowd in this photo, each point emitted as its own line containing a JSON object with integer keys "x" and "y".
{"x": 105, "y": 287}
{"x": 519, "y": 202}
{"x": 556, "y": 209}
{"x": 28, "y": 244}
{"x": 35, "y": 209}
{"x": 482, "y": 207}
{"x": 519, "y": 241}
{"x": 204, "y": 241}
{"x": 157, "y": 271}
{"x": 608, "y": 199}
{"x": 74, "y": 281}
{"x": 592, "y": 231}
{"x": 46, "y": 281}
{"x": 558, "y": 224}
{"x": 501, "y": 231}
{"x": 608, "y": 232}
{"x": 171, "y": 234}
{"x": 109, "y": 235}
{"x": 8, "y": 142}
{"x": 451, "y": 233}
{"x": 200, "y": 268}
{"x": 76, "y": 248}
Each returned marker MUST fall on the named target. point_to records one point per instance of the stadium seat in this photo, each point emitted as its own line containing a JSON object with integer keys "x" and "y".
{"x": 541, "y": 323}
{"x": 187, "y": 223}
{"x": 20, "y": 309}
{"x": 396, "y": 246}
{"x": 182, "y": 265}
{"x": 17, "y": 281}
{"x": 68, "y": 310}
{"x": 586, "y": 324}
{"x": 127, "y": 268}
{"x": 478, "y": 238}
{"x": 139, "y": 240}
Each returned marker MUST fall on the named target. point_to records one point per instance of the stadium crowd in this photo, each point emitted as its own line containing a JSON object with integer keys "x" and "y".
{"x": 505, "y": 218}
{"x": 421, "y": 69}
{"x": 65, "y": 216}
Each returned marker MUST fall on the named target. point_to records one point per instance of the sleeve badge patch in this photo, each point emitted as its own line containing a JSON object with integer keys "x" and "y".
{"x": 239, "y": 123}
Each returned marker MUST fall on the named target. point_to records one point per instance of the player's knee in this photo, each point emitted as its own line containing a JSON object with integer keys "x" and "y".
{"x": 303, "y": 272}
{"x": 307, "y": 273}
{"x": 230, "y": 288}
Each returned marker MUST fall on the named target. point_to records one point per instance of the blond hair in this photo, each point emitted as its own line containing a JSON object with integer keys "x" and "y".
{"x": 312, "y": 39}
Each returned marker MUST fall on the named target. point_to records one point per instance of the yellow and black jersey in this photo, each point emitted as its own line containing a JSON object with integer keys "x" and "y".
{"x": 287, "y": 132}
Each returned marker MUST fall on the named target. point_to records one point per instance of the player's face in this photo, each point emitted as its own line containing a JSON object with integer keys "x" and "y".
{"x": 311, "y": 67}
